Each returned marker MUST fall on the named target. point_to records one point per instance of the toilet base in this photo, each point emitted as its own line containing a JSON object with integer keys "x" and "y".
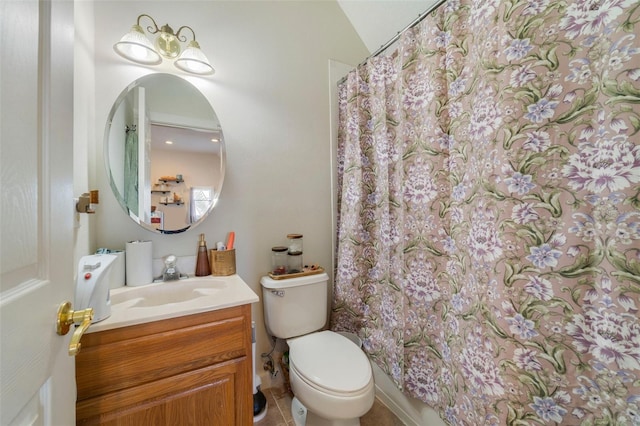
{"x": 314, "y": 420}
{"x": 303, "y": 417}
{"x": 298, "y": 412}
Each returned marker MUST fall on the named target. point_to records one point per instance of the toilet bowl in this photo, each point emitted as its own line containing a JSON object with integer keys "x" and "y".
{"x": 330, "y": 376}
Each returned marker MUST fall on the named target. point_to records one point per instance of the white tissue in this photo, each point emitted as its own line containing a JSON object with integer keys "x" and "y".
{"x": 139, "y": 263}
{"x": 118, "y": 270}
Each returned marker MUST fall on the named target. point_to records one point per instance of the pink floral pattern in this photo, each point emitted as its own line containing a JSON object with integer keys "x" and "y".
{"x": 489, "y": 212}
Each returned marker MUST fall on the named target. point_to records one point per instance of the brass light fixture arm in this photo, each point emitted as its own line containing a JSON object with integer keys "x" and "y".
{"x": 152, "y": 29}
{"x": 184, "y": 38}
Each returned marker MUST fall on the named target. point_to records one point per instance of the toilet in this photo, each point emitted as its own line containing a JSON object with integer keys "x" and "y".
{"x": 330, "y": 376}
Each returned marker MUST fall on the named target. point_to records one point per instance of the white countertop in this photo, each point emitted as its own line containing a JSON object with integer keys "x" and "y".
{"x": 158, "y": 301}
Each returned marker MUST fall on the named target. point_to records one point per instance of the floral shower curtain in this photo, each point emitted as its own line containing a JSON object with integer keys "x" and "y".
{"x": 489, "y": 211}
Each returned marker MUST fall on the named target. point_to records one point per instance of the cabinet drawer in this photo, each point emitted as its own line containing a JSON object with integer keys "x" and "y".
{"x": 113, "y": 360}
{"x": 201, "y": 397}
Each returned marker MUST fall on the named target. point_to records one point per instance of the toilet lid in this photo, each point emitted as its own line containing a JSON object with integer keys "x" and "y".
{"x": 330, "y": 361}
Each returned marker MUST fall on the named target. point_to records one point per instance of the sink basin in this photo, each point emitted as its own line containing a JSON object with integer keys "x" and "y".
{"x": 165, "y": 297}
{"x": 165, "y": 293}
{"x": 161, "y": 301}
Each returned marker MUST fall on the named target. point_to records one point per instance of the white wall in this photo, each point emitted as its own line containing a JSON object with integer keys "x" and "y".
{"x": 84, "y": 168}
{"x": 270, "y": 92}
{"x": 378, "y": 21}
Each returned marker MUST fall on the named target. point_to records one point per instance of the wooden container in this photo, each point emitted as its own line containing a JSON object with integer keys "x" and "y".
{"x": 305, "y": 272}
{"x": 223, "y": 262}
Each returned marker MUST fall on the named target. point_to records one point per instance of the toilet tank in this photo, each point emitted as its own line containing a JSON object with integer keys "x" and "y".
{"x": 295, "y": 306}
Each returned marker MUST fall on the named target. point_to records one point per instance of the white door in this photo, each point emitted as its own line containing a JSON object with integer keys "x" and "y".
{"x": 37, "y": 378}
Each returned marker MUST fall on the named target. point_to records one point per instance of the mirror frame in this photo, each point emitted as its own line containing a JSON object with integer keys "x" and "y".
{"x": 106, "y": 141}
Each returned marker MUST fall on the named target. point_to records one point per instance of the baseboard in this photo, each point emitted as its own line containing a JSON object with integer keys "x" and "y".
{"x": 394, "y": 407}
{"x": 409, "y": 410}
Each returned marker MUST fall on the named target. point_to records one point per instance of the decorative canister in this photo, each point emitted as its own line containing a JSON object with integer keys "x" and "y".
{"x": 295, "y": 262}
{"x": 279, "y": 260}
{"x": 295, "y": 243}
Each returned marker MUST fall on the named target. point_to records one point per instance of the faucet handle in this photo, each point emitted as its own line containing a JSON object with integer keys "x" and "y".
{"x": 170, "y": 272}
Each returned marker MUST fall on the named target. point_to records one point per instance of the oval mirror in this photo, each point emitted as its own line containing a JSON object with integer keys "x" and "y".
{"x": 165, "y": 154}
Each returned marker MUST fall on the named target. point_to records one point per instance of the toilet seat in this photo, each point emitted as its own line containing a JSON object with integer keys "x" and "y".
{"x": 328, "y": 392}
{"x": 330, "y": 363}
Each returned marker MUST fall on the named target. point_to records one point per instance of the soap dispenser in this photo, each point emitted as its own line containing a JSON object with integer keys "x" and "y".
{"x": 92, "y": 285}
{"x": 202, "y": 262}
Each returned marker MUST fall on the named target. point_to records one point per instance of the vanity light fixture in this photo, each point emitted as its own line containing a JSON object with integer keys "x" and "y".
{"x": 136, "y": 47}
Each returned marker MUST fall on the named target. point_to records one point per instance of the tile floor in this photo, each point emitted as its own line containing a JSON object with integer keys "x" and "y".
{"x": 279, "y": 411}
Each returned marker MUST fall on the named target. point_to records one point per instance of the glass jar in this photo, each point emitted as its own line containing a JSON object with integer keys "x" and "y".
{"x": 295, "y": 243}
{"x": 295, "y": 262}
{"x": 279, "y": 260}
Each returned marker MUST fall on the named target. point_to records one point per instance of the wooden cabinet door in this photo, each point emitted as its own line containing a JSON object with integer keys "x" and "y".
{"x": 200, "y": 397}
{"x": 192, "y": 370}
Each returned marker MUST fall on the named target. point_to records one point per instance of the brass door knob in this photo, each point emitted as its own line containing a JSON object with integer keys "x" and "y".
{"x": 66, "y": 317}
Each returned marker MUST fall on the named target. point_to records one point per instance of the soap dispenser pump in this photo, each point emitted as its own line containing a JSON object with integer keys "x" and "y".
{"x": 202, "y": 262}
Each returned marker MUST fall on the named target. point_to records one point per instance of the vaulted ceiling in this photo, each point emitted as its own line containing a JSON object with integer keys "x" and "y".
{"x": 378, "y": 21}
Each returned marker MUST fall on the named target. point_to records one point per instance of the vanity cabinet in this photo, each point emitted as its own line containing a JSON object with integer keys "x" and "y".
{"x": 190, "y": 370}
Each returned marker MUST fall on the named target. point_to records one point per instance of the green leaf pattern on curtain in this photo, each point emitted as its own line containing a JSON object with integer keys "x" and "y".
{"x": 489, "y": 212}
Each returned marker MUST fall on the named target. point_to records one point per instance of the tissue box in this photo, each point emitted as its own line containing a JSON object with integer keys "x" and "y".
{"x": 222, "y": 262}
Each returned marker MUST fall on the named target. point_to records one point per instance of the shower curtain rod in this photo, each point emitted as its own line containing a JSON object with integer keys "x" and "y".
{"x": 398, "y": 34}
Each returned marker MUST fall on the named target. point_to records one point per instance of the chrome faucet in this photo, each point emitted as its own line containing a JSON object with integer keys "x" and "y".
{"x": 170, "y": 272}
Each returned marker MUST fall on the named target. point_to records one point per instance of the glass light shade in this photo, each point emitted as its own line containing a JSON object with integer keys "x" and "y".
{"x": 167, "y": 44}
{"x": 194, "y": 61}
{"x": 136, "y": 47}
